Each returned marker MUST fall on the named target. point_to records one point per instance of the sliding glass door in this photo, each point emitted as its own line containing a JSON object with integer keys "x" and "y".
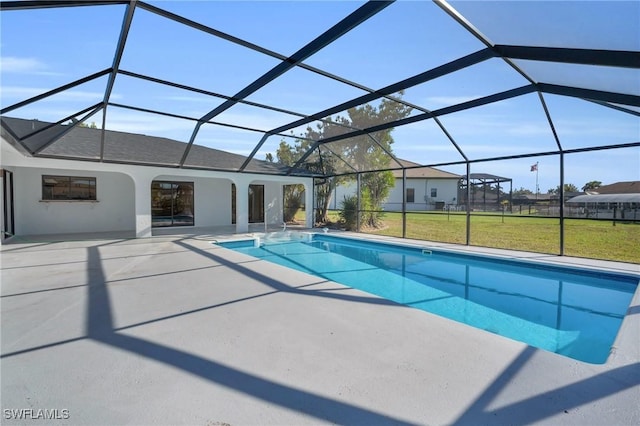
{"x": 172, "y": 204}
{"x": 256, "y": 203}
{"x": 8, "y": 223}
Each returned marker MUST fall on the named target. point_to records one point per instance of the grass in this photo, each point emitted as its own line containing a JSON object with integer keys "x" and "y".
{"x": 596, "y": 239}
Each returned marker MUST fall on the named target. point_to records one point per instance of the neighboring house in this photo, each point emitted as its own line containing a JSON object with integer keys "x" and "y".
{"x": 426, "y": 188}
{"x": 63, "y": 187}
{"x": 620, "y": 200}
{"x": 630, "y": 187}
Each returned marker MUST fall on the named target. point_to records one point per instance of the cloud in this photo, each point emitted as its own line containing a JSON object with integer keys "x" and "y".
{"x": 21, "y": 92}
{"x": 529, "y": 129}
{"x": 428, "y": 146}
{"x": 14, "y": 64}
{"x": 448, "y": 100}
{"x": 17, "y": 92}
{"x": 260, "y": 121}
{"x": 207, "y": 100}
{"x": 149, "y": 124}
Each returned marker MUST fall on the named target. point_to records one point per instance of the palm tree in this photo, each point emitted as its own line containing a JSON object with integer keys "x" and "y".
{"x": 590, "y": 186}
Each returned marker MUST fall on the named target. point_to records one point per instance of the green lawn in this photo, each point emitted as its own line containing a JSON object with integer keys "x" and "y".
{"x": 583, "y": 238}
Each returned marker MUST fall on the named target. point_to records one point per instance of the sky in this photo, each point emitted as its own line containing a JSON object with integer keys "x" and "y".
{"x": 44, "y": 49}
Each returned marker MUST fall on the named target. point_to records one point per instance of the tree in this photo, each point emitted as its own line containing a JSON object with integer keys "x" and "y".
{"x": 522, "y": 191}
{"x": 349, "y": 212}
{"x": 292, "y": 194}
{"x": 375, "y": 190}
{"x": 83, "y": 124}
{"x": 356, "y": 154}
{"x": 591, "y": 185}
{"x": 568, "y": 187}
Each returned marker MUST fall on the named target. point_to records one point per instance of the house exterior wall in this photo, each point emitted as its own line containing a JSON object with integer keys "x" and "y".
{"x": 112, "y": 211}
{"x": 447, "y": 190}
{"x": 212, "y": 199}
{"x": 273, "y": 205}
{"x": 345, "y": 190}
{"x": 124, "y": 196}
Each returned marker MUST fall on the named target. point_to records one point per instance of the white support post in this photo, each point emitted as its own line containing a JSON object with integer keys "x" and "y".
{"x": 242, "y": 205}
{"x": 143, "y": 206}
{"x": 308, "y": 205}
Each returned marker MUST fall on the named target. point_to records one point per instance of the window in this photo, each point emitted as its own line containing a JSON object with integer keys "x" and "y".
{"x": 172, "y": 204}
{"x": 68, "y": 188}
{"x": 411, "y": 195}
{"x": 434, "y": 192}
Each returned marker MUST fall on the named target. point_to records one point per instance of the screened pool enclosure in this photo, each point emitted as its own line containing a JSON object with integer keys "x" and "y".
{"x": 543, "y": 96}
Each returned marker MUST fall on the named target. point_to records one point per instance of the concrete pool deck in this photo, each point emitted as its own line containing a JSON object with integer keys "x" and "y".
{"x": 175, "y": 330}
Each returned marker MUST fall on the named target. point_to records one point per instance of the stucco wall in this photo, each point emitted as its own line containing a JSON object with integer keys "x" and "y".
{"x": 447, "y": 193}
{"x": 272, "y": 201}
{"x": 124, "y": 195}
{"x": 212, "y": 199}
{"x": 113, "y": 211}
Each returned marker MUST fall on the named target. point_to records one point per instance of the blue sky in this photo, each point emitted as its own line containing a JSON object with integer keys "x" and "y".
{"x": 44, "y": 49}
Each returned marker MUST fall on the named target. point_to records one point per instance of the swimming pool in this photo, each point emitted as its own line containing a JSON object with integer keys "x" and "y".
{"x": 569, "y": 311}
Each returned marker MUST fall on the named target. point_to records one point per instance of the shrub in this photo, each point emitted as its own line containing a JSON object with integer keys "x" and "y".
{"x": 349, "y": 212}
{"x": 293, "y": 195}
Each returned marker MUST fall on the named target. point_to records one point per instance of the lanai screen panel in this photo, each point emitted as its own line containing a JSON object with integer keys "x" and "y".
{"x": 221, "y": 75}
{"x": 476, "y": 81}
{"x": 221, "y": 147}
{"x": 403, "y": 40}
{"x": 281, "y": 27}
{"x": 584, "y": 124}
{"x": 182, "y": 54}
{"x": 36, "y": 44}
{"x": 425, "y": 142}
{"x": 305, "y": 92}
{"x": 81, "y": 142}
{"x": 139, "y": 92}
{"x": 61, "y": 105}
{"x": 607, "y": 25}
{"x": 481, "y": 132}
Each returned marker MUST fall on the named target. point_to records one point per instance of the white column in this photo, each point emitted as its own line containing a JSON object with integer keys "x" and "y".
{"x": 143, "y": 205}
{"x": 242, "y": 203}
{"x": 308, "y": 204}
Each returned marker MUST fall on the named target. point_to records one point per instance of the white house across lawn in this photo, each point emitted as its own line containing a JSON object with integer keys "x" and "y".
{"x": 427, "y": 188}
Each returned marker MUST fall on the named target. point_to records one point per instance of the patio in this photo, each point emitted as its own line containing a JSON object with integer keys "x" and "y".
{"x": 174, "y": 330}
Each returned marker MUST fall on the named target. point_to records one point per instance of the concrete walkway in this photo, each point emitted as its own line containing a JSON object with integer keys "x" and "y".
{"x": 174, "y": 330}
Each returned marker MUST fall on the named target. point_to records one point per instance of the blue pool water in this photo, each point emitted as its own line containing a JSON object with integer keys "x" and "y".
{"x": 573, "y": 312}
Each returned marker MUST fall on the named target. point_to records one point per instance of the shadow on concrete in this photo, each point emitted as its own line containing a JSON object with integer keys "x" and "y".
{"x": 44, "y": 290}
{"x": 100, "y": 327}
{"x": 547, "y": 404}
{"x": 633, "y": 310}
{"x": 206, "y": 308}
{"x": 280, "y": 286}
